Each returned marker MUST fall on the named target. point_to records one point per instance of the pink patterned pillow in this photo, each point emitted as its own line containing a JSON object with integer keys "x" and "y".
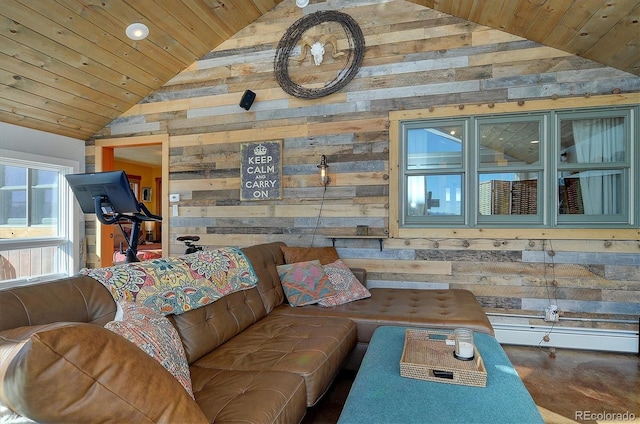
{"x": 347, "y": 286}
{"x": 153, "y": 333}
{"x": 305, "y": 283}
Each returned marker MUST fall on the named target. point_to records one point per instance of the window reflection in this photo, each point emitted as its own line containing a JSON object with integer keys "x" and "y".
{"x": 434, "y": 195}
{"x": 434, "y": 147}
{"x": 513, "y": 143}
{"x": 508, "y": 194}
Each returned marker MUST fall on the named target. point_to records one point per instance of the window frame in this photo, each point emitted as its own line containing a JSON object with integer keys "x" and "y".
{"x": 443, "y": 170}
{"x": 626, "y": 167}
{"x": 550, "y": 228}
{"x": 477, "y": 169}
{"x": 66, "y": 259}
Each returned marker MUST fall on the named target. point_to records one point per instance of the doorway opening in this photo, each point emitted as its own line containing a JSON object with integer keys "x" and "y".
{"x": 145, "y": 161}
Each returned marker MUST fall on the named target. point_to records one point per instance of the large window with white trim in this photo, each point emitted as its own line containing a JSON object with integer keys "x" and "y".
{"x": 35, "y": 218}
{"x": 572, "y": 168}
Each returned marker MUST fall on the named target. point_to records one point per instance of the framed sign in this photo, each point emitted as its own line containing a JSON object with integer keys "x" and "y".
{"x": 146, "y": 194}
{"x": 261, "y": 170}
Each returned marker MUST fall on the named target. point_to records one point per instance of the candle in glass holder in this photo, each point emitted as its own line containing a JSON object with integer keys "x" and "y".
{"x": 464, "y": 343}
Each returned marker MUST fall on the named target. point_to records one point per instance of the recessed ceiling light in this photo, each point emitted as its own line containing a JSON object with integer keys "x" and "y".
{"x": 535, "y": 141}
{"x": 137, "y": 31}
{"x": 302, "y": 3}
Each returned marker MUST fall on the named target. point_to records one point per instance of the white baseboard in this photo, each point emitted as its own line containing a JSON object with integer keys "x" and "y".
{"x": 570, "y": 337}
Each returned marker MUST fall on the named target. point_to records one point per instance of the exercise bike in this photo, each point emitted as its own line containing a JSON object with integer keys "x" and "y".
{"x": 189, "y": 242}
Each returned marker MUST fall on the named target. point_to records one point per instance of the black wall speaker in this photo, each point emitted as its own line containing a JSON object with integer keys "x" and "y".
{"x": 247, "y": 99}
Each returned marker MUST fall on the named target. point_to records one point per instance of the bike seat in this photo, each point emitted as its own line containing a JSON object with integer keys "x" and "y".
{"x": 188, "y": 238}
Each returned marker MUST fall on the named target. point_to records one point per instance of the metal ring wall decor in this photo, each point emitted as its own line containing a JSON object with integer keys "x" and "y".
{"x": 294, "y": 34}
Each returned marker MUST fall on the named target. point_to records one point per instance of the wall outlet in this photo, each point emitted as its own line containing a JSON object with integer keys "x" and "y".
{"x": 551, "y": 314}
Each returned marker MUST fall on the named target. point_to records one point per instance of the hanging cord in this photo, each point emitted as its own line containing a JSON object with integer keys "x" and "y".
{"x": 324, "y": 192}
{"x": 554, "y": 282}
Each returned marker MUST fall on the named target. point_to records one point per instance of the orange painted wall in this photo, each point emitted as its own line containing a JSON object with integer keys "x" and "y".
{"x": 148, "y": 176}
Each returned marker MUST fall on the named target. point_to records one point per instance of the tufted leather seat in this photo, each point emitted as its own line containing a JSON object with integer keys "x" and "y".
{"x": 446, "y": 309}
{"x": 312, "y": 347}
{"x": 249, "y": 397}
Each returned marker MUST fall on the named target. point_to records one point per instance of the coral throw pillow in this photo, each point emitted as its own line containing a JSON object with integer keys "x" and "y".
{"x": 345, "y": 283}
{"x": 153, "y": 333}
{"x": 305, "y": 283}
{"x": 325, "y": 255}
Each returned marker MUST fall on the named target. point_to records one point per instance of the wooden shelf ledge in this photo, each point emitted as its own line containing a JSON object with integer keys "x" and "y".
{"x": 335, "y": 237}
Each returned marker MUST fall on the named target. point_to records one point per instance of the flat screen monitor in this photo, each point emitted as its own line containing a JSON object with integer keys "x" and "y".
{"x": 113, "y": 186}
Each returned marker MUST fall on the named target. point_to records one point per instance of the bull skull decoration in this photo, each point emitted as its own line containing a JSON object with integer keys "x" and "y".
{"x": 317, "y": 48}
{"x": 325, "y": 84}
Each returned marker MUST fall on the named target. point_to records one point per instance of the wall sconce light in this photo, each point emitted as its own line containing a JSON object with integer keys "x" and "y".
{"x": 324, "y": 178}
{"x": 302, "y": 3}
{"x": 137, "y": 31}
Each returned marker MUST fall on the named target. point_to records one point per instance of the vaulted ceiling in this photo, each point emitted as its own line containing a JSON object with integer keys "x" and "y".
{"x": 67, "y": 67}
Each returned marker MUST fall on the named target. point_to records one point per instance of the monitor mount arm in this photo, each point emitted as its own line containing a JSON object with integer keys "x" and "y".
{"x": 108, "y": 216}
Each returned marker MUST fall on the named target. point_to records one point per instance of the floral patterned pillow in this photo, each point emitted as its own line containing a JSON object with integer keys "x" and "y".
{"x": 153, "y": 333}
{"x": 305, "y": 283}
{"x": 347, "y": 286}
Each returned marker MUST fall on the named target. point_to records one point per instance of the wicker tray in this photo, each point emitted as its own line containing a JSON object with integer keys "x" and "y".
{"x": 426, "y": 356}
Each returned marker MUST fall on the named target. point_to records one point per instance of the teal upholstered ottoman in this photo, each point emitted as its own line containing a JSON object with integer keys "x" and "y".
{"x": 380, "y": 395}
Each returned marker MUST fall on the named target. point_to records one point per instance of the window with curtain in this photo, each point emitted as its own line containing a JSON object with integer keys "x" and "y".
{"x": 594, "y": 168}
{"x": 541, "y": 169}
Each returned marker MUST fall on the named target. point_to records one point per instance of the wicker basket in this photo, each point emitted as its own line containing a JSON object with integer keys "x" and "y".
{"x": 426, "y": 356}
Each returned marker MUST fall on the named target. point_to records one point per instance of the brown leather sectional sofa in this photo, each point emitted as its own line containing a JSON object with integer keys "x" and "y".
{"x": 252, "y": 357}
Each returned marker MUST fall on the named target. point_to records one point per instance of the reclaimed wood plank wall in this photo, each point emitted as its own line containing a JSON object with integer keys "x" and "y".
{"x": 415, "y": 58}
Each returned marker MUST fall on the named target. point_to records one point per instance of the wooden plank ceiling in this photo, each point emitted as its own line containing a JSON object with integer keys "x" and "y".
{"x": 605, "y": 31}
{"x": 67, "y": 67}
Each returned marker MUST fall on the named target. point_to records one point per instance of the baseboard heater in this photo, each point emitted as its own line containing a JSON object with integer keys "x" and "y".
{"x": 568, "y": 337}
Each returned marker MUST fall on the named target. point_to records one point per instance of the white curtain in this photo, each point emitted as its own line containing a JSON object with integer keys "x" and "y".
{"x": 599, "y": 141}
